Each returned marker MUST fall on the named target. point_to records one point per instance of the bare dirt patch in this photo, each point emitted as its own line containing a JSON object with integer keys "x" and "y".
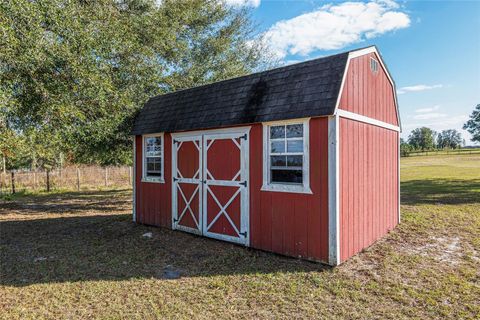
{"x": 444, "y": 249}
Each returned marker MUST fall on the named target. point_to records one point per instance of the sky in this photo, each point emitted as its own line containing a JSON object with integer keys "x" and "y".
{"x": 431, "y": 48}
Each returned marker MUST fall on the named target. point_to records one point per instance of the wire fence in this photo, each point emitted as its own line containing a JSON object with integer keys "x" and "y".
{"x": 67, "y": 178}
{"x": 441, "y": 152}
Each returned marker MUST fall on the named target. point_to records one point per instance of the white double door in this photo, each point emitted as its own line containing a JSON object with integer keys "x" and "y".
{"x": 210, "y": 184}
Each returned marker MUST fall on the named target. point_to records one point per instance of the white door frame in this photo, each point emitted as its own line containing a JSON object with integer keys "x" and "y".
{"x": 177, "y": 178}
{"x": 243, "y": 183}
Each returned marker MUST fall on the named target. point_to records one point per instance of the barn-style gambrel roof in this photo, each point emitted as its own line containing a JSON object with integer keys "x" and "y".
{"x": 306, "y": 89}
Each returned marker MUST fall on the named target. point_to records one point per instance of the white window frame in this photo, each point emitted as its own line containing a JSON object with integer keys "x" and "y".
{"x": 145, "y": 178}
{"x": 286, "y": 187}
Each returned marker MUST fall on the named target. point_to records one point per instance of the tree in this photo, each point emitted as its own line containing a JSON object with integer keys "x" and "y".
{"x": 422, "y": 139}
{"x": 473, "y": 125}
{"x": 449, "y": 139}
{"x": 405, "y": 148}
{"x": 77, "y": 72}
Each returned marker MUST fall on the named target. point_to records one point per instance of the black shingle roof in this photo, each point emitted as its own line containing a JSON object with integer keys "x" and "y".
{"x": 305, "y": 89}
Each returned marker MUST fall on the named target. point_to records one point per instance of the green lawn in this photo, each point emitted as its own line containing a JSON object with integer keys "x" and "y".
{"x": 78, "y": 255}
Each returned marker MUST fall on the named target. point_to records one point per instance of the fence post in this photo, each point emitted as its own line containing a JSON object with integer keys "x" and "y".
{"x": 13, "y": 182}
{"x": 48, "y": 180}
{"x": 106, "y": 176}
{"x": 78, "y": 179}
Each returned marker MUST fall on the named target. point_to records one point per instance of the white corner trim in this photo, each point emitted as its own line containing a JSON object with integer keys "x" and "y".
{"x": 134, "y": 180}
{"x": 358, "y": 117}
{"x": 279, "y": 187}
{"x": 160, "y": 179}
{"x": 333, "y": 191}
{"x": 398, "y": 177}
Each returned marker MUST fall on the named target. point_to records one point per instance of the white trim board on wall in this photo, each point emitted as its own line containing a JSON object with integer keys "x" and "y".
{"x": 358, "y": 117}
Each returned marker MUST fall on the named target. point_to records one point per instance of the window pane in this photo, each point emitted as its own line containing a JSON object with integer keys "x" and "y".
{"x": 277, "y": 146}
{"x": 294, "y": 161}
{"x": 294, "y": 130}
{"x": 277, "y": 132}
{"x": 289, "y": 176}
{"x": 153, "y": 146}
{"x": 295, "y": 146}
{"x": 154, "y": 167}
{"x": 278, "y": 161}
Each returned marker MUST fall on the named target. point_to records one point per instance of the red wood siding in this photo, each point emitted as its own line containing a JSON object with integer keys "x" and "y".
{"x": 368, "y": 184}
{"x": 287, "y": 223}
{"x": 290, "y": 223}
{"x": 367, "y": 93}
{"x": 154, "y": 200}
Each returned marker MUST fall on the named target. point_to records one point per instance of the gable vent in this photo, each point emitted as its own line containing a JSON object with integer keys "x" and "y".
{"x": 373, "y": 65}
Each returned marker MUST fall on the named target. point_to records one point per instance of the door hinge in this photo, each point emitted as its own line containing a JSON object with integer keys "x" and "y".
{"x": 244, "y": 136}
{"x": 175, "y": 179}
{"x": 175, "y": 141}
{"x": 204, "y": 181}
{"x": 175, "y": 220}
{"x": 244, "y": 183}
{"x": 244, "y": 234}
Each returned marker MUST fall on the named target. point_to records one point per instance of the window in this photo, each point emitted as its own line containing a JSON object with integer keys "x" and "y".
{"x": 153, "y": 158}
{"x": 286, "y": 157}
{"x": 373, "y": 65}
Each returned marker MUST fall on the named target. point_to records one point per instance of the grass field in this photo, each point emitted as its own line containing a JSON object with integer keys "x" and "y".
{"x": 78, "y": 255}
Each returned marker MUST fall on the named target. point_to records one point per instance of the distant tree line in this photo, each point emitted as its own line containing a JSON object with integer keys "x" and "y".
{"x": 426, "y": 139}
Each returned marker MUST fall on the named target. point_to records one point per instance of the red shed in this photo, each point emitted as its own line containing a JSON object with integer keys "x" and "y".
{"x": 301, "y": 160}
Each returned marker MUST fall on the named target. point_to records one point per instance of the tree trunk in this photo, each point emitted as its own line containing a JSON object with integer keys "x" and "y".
{"x": 48, "y": 180}
{"x": 106, "y": 176}
{"x": 78, "y": 179}
{"x": 13, "y": 182}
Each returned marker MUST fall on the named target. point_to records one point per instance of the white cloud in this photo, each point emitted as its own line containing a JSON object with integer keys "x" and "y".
{"x": 425, "y": 110}
{"x": 427, "y": 116}
{"x": 335, "y": 26}
{"x": 418, "y": 87}
{"x": 243, "y": 3}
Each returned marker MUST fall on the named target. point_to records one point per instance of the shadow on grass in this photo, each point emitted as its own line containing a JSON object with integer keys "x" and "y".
{"x": 113, "y": 248}
{"x": 67, "y": 201}
{"x": 443, "y": 191}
